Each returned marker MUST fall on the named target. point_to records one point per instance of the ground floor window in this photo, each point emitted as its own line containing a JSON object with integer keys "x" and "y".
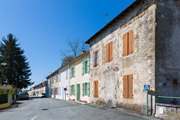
{"x": 128, "y": 86}
{"x": 86, "y": 89}
{"x": 56, "y": 91}
{"x": 72, "y": 89}
{"x": 96, "y": 91}
{"x": 59, "y": 90}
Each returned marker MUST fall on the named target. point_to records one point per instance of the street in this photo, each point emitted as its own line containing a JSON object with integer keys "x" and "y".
{"x": 51, "y": 109}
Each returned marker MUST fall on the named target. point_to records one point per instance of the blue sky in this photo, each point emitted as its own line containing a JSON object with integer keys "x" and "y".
{"x": 43, "y": 27}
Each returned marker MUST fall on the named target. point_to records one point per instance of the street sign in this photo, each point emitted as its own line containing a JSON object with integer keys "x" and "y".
{"x": 65, "y": 89}
{"x": 146, "y": 87}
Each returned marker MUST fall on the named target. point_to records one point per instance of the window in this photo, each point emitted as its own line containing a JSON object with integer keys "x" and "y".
{"x": 109, "y": 52}
{"x": 59, "y": 90}
{"x": 56, "y": 79}
{"x": 95, "y": 59}
{"x": 128, "y": 43}
{"x": 128, "y": 86}
{"x": 66, "y": 74}
{"x": 72, "y": 72}
{"x": 86, "y": 89}
{"x": 96, "y": 94}
{"x": 55, "y": 91}
{"x": 175, "y": 82}
{"x": 59, "y": 77}
{"x": 72, "y": 90}
{"x": 85, "y": 66}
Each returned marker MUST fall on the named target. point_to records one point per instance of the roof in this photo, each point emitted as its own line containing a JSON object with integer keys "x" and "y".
{"x": 113, "y": 21}
{"x": 53, "y": 73}
{"x": 77, "y": 58}
{"x": 40, "y": 85}
{"x": 80, "y": 56}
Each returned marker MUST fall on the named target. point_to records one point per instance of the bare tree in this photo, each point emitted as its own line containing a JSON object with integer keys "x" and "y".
{"x": 75, "y": 48}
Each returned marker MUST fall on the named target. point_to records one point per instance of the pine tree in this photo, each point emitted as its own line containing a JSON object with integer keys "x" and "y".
{"x": 17, "y": 70}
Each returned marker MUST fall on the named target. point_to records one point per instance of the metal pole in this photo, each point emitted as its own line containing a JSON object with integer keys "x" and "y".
{"x": 65, "y": 95}
{"x": 146, "y": 102}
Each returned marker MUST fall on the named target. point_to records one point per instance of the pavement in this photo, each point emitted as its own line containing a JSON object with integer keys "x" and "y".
{"x": 52, "y": 109}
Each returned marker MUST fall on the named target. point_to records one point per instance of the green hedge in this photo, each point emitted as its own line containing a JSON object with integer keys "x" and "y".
{"x": 3, "y": 98}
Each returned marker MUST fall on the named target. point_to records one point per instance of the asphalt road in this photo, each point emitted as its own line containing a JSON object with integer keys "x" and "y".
{"x": 51, "y": 109}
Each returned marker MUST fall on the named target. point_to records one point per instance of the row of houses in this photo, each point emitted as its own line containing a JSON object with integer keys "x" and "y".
{"x": 138, "y": 47}
{"x": 72, "y": 81}
{"x": 38, "y": 90}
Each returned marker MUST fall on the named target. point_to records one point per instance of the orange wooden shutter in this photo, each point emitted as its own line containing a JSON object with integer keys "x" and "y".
{"x": 125, "y": 86}
{"x": 107, "y": 53}
{"x": 97, "y": 91}
{"x": 95, "y": 88}
{"x": 131, "y": 41}
{"x": 111, "y": 51}
{"x": 125, "y": 44}
{"x": 130, "y": 86}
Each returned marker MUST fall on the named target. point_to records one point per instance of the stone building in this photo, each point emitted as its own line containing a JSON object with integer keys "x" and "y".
{"x": 138, "y": 47}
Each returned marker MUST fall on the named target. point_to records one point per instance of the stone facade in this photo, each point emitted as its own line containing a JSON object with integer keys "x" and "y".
{"x": 146, "y": 62}
{"x": 168, "y": 112}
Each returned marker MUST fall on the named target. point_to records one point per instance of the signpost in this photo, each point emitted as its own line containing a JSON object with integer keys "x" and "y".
{"x": 65, "y": 89}
{"x": 146, "y": 88}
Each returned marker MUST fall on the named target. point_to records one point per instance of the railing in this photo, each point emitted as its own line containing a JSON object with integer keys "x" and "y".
{"x": 168, "y": 97}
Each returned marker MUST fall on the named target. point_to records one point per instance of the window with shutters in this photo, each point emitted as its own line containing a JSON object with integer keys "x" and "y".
{"x": 66, "y": 74}
{"x": 72, "y": 89}
{"x": 55, "y": 91}
{"x": 96, "y": 92}
{"x": 86, "y": 66}
{"x": 72, "y": 72}
{"x": 95, "y": 59}
{"x": 109, "y": 52}
{"x": 128, "y": 86}
{"x": 86, "y": 89}
{"x": 128, "y": 43}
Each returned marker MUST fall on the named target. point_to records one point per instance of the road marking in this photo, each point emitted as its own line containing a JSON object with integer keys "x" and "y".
{"x": 34, "y": 118}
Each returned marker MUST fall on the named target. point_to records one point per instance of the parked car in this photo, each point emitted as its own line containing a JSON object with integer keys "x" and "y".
{"x": 23, "y": 96}
{"x": 43, "y": 95}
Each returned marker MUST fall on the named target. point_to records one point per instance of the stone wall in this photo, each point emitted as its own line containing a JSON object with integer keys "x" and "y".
{"x": 167, "y": 49}
{"x": 168, "y": 112}
{"x": 141, "y": 63}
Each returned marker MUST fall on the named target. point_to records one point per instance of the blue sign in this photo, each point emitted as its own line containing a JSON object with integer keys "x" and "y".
{"x": 146, "y": 87}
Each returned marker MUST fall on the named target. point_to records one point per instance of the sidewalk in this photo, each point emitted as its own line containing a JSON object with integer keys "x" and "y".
{"x": 105, "y": 107}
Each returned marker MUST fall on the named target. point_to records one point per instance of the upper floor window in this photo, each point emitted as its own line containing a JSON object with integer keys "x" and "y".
{"x": 85, "y": 66}
{"x": 95, "y": 61}
{"x": 109, "y": 52}
{"x": 66, "y": 74}
{"x": 72, "y": 72}
{"x": 128, "y": 43}
{"x": 56, "y": 79}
